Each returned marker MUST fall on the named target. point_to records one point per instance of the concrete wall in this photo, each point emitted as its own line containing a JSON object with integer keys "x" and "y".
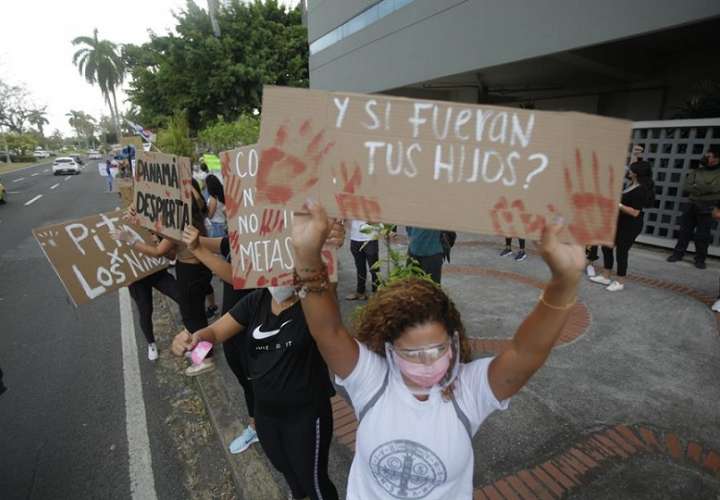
{"x": 434, "y": 38}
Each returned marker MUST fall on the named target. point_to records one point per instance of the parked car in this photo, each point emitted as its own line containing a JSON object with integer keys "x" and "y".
{"x": 77, "y": 159}
{"x": 3, "y": 194}
{"x": 94, "y": 155}
{"x": 41, "y": 153}
{"x": 65, "y": 164}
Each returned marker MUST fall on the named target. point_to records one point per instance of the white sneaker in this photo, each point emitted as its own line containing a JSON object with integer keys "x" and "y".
{"x": 601, "y": 280}
{"x": 152, "y": 352}
{"x": 590, "y": 271}
{"x": 195, "y": 370}
{"x": 716, "y": 306}
{"x": 615, "y": 286}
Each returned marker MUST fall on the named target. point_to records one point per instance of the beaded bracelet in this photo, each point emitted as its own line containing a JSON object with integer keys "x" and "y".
{"x": 557, "y": 308}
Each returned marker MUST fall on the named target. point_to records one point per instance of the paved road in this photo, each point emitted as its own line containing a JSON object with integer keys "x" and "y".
{"x": 63, "y": 418}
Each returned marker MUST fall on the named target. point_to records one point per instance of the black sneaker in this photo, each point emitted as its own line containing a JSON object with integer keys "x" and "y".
{"x": 211, "y": 311}
{"x": 506, "y": 253}
{"x": 520, "y": 256}
{"x": 673, "y": 257}
{"x": 700, "y": 264}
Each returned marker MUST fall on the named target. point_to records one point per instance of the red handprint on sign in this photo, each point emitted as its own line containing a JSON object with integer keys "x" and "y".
{"x": 351, "y": 205}
{"x": 239, "y": 280}
{"x": 594, "y": 214}
{"x": 225, "y": 164}
{"x": 504, "y": 215}
{"x": 233, "y": 195}
{"x": 290, "y": 166}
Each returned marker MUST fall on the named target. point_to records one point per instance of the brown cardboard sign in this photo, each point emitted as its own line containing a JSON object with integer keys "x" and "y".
{"x": 163, "y": 193}
{"x": 259, "y": 234}
{"x": 88, "y": 261}
{"x": 443, "y": 165}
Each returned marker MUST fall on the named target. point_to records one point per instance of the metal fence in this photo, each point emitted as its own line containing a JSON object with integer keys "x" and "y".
{"x": 671, "y": 146}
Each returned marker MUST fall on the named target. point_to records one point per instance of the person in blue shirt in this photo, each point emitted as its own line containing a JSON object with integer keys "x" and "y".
{"x": 426, "y": 248}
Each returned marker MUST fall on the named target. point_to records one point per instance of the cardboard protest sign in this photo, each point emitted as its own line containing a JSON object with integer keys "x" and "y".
{"x": 163, "y": 193}
{"x": 88, "y": 261}
{"x": 259, "y": 234}
{"x": 443, "y": 165}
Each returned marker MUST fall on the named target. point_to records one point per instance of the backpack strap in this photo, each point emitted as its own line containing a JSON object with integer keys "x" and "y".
{"x": 375, "y": 397}
{"x": 462, "y": 417}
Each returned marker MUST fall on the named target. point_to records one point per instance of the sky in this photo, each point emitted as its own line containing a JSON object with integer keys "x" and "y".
{"x": 36, "y": 48}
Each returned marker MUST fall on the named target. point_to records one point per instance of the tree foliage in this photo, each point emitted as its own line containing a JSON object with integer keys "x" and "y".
{"x": 99, "y": 61}
{"x": 16, "y": 108}
{"x": 222, "y": 135}
{"x": 208, "y": 76}
{"x": 175, "y": 138}
{"x": 704, "y": 102}
{"x": 23, "y": 144}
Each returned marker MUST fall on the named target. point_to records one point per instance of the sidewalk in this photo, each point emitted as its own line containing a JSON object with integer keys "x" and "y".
{"x": 626, "y": 406}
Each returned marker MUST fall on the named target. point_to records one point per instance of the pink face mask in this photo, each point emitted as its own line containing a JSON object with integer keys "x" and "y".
{"x": 424, "y": 375}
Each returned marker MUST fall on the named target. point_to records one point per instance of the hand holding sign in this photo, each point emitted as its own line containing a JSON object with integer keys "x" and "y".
{"x": 566, "y": 261}
{"x": 191, "y": 237}
{"x": 309, "y": 233}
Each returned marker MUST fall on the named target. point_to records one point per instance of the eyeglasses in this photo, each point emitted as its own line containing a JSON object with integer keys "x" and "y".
{"x": 423, "y": 355}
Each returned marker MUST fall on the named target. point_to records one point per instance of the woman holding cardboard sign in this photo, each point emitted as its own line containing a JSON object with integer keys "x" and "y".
{"x": 290, "y": 382}
{"x": 418, "y": 396}
{"x": 193, "y": 278}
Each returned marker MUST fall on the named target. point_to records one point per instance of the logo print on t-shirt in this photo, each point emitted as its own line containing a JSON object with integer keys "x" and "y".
{"x": 406, "y": 469}
{"x": 260, "y": 335}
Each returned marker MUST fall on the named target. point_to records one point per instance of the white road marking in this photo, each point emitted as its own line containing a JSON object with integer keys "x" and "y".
{"x": 36, "y": 173}
{"x": 142, "y": 481}
{"x": 33, "y": 200}
{"x": 67, "y": 178}
{"x": 54, "y": 186}
{"x": 20, "y": 179}
{"x": 46, "y": 170}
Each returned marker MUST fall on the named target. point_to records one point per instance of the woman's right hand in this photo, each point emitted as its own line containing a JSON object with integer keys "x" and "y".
{"x": 183, "y": 342}
{"x": 309, "y": 233}
{"x": 191, "y": 237}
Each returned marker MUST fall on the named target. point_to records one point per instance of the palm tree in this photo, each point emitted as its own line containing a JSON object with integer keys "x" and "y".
{"x": 38, "y": 118}
{"x": 100, "y": 63}
{"x": 83, "y": 123}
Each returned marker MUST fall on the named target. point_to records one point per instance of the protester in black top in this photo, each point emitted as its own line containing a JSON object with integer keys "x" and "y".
{"x": 290, "y": 380}
{"x": 206, "y": 250}
{"x": 638, "y": 195}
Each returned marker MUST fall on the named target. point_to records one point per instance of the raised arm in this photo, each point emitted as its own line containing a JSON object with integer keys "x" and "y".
{"x": 319, "y": 304}
{"x": 537, "y": 335}
{"x": 213, "y": 261}
{"x": 218, "y": 332}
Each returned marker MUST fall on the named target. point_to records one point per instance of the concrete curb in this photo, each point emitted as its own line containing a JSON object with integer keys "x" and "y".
{"x": 251, "y": 475}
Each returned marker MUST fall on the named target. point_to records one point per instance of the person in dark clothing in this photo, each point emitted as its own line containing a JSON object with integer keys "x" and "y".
{"x": 703, "y": 186}
{"x": 638, "y": 195}
{"x": 141, "y": 292}
{"x": 426, "y": 247}
{"x": 365, "y": 250}
{"x": 290, "y": 379}
{"x": 193, "y": 278}
{"x": 2, "y": 386}
{"x": 215, "y": 254}
{"x": 507, "y": 251}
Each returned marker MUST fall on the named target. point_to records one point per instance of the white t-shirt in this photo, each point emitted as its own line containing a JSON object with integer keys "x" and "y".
{"x": 219, "y": 215}
{"x": 408, "y": 448}
{"x": 356, "y": 233}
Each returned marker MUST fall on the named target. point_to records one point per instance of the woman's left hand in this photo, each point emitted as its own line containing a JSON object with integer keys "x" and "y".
{"x": 566, "y": 261}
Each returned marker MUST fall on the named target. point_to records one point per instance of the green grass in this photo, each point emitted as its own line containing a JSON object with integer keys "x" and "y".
{"x": 6, "y": 168}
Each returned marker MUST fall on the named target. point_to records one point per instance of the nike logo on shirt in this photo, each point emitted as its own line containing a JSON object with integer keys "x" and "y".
{"x": 260, "y": 335}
